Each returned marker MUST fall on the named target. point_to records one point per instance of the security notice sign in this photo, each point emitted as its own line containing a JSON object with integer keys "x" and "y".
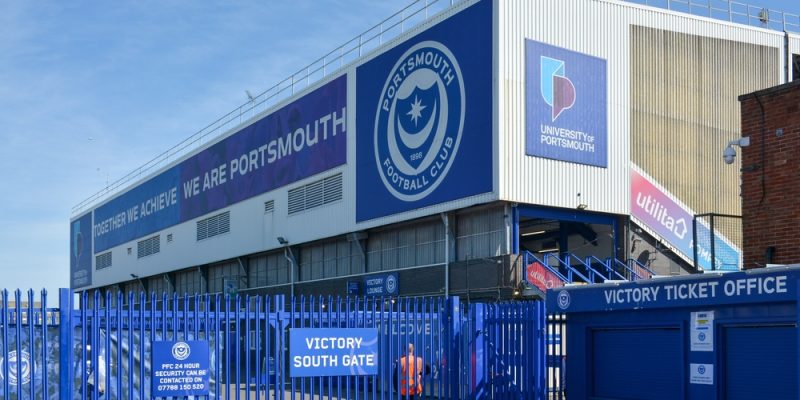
{"x": 333, "y": 351}
{"x": 702, "y": 331}
{"x": 180, "y": 368}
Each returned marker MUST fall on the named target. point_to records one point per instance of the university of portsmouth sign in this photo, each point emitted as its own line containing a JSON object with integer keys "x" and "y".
{"x": 565, "y": 105}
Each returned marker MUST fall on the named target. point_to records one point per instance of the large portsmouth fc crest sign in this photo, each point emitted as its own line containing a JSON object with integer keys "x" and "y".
{"x": 566, "y": 106}
{"x": 424, "y": 118}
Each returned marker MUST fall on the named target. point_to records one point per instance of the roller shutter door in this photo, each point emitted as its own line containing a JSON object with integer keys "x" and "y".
{"x": 637, "y": 364}
{"x": 760, "y": 362}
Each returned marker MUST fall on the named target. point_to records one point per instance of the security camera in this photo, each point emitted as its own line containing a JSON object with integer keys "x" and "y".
{"x": 729, "y": 154}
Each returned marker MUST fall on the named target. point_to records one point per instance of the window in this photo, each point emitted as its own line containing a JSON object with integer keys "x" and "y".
{"x": 219, "y": 273}
{"x": 102, "y": 261}
{"x": 148, "y": 246}
{"x": 269, "y": 206}
{"x": 214, "y": 226}
{"x": 795, "y": 67}
{"x": 188, "y": 282}
{"x": 268, "y": 269}
{"x": 329, "y": 259}
{"x": 315, "y": 194}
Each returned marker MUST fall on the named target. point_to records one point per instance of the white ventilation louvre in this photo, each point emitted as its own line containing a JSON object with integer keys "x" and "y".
{"x": 297, "y": 200}
{"x": 148, "y": 246}
{"x": 315, "y": 194}
{"x": 269, "y": 206}
{"x": 169, "y": 238}
{"x": 333, "y": 188}
{"x": 102, "y": 261}
{"x": 213, "y": 226}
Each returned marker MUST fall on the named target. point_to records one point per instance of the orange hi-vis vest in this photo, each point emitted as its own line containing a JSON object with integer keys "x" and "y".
{"x": 410, "y": 382}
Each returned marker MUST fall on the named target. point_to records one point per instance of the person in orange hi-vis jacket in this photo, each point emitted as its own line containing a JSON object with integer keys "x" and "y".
{"x": 411, "y": 369}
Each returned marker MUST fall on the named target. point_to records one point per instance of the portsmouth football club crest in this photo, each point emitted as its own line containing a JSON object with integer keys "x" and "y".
{"x": 419, "y": 121}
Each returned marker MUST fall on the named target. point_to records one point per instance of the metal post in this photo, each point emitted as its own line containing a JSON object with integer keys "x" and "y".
{"x": 446, "y": 221}
{"x": 287, "y": 252}
{"x": 453, "y": 313}
{"x": 712, "y": 238}
{"x": 65, "y": 343}
{"x": 694, "y": 242}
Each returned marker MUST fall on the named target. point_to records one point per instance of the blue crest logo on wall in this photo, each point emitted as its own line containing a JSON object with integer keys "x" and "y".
{"x": 80, "y": 251}
{"x": 424, "y": 118}
{"x": 566, "y": 105}
{"x": 419, "y": 121}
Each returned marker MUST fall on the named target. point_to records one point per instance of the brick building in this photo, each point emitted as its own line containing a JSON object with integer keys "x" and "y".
{"x": 771, "y": 175}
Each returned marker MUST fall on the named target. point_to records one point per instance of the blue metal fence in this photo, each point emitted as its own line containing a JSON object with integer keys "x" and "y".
{"x": 102, "y": 347}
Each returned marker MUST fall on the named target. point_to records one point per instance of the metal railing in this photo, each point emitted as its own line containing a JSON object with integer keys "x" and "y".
{"x": 398, "y": 23}
{"x": 731, "y": 11}
{"x": 585, "y": 270}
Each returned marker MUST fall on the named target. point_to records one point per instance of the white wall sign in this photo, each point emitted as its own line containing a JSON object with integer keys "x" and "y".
{"x": 702, "y": 331}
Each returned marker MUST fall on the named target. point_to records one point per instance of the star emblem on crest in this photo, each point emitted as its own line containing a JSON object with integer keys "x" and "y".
{"x": 416, "y": 110}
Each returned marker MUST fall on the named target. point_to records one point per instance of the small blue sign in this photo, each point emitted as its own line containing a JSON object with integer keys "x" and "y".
{"x": 566, "y": 105}
{"x": 381, "y": 285}
{"x": 80, "y": 251}
{"x": 353, "y": 288}
{"x": 333, "y": 352}
{"x": 180, "y": 368}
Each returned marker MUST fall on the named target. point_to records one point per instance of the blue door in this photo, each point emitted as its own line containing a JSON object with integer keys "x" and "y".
{"x": 760, "y": 362}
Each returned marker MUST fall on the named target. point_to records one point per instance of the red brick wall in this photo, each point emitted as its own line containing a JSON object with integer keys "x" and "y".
{"x": 771, "y": 213}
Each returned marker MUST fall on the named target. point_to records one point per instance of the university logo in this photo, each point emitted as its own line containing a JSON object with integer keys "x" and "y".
{"x": 419, "y": 121}
{"x": 557, "y": 90}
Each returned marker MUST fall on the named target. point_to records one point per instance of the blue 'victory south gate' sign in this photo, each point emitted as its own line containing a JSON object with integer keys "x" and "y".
{"x": 180, "y": 368}
{"x": 333, "y": 351}
{"x": 301, "y": 139}
{"x": 425, "y": 118}
{"x": 566, "y": 105}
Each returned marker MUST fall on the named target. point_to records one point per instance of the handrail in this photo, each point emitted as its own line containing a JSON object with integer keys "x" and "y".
{"x": 606, "y": 263}
{"x": 733, "y": 11}
{"x": 641, "y": 266}
{"x": 592, "y": 271}
{"x": 407, "y": 18}
{"x": 634, "y": 275}
{"x": 526, "y": 259}
{"x": 570, "y": 271}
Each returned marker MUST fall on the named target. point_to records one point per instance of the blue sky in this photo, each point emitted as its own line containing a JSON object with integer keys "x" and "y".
{"x": 90, "y": 91}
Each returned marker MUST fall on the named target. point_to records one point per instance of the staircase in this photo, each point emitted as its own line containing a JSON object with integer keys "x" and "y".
{"x": 553, "y": 270}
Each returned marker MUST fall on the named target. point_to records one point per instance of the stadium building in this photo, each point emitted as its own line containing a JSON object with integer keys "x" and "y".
{"x": 452, "y": 147}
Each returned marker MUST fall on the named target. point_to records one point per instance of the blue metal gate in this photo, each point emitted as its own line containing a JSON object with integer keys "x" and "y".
{"x": 103, "y": 348}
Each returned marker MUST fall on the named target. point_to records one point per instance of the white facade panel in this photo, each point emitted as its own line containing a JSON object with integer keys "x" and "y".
{"x": 581, "y": 26}
{"x": 602, "y": 29}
